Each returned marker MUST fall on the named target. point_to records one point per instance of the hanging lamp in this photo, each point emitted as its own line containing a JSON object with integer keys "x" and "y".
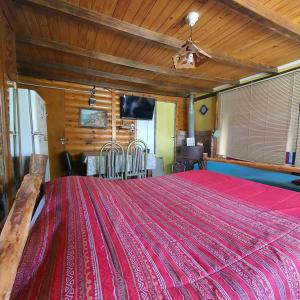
{"x": 190, "y": 56}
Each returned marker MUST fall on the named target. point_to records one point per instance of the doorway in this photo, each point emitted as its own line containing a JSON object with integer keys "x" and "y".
{"x": 165, "y": 133}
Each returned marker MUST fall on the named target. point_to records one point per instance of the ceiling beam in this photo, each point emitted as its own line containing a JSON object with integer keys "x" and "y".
{"x": 117, "y": 60}
{"x": 139, "y": 32}
{"x": 118, "y": 87}
{"x": 112, "y": 76}
{"x": 266, "y": 17}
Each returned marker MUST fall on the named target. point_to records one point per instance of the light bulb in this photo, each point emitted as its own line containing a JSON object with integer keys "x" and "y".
{"x": 192, "y": 18}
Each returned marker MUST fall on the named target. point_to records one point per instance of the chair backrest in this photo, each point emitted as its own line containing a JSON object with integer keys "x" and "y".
{"x": 136, "y": 159}
{"x": 111, "y": 161}
{"x": 67, "y": 162}
{"x": 178, "y": 167}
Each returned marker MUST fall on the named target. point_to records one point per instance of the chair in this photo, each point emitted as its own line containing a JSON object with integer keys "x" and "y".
{"x": 178, "y": 167}
{"x": 111, "y": 161}
{"x": 136, "y": 160}
{"x": 67, "y": 163}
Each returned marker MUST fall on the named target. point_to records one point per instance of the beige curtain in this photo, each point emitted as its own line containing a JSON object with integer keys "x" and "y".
{"x": 258, "y": 122}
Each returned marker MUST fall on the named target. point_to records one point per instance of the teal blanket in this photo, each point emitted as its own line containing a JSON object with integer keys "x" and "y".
{"x": 281, "y": 180}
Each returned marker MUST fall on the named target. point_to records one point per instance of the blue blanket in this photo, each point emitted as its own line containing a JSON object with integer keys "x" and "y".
{"x": 281, "y": 180}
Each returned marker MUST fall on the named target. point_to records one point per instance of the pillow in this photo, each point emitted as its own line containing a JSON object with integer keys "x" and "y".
{"x": 296, "y": 181}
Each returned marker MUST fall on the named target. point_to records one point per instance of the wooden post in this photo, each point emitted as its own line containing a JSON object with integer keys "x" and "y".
{"x": 38, "y": 164}
{"x": 15, "y": 232}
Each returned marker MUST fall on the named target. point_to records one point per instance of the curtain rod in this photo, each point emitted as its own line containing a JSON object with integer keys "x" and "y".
{"x": 57, "y": 87}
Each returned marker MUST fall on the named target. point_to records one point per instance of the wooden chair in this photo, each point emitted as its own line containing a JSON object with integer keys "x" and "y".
{"x": 112, "y": 157}
{"x": 136, "y": 159}
{"x": 67, "y": 162}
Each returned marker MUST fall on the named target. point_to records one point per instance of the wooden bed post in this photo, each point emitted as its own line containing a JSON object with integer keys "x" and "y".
{"x": 15, "y": 232}
{"x": 38, "y": 164}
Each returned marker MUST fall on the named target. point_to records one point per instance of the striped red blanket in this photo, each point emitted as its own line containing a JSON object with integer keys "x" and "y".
{"x": 193, "y": 235}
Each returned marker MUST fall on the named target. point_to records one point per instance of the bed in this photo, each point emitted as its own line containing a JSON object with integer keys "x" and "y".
{"x": 191, "y": 235}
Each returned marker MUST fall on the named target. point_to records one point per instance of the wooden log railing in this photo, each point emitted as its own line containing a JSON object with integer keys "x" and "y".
{"x": 263, "y": 166}
{"x": 15, "y": 232}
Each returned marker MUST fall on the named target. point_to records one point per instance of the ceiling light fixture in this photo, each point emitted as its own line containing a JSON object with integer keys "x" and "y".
{"x": 192, "y": 18}
{"x": 190, "y": 56}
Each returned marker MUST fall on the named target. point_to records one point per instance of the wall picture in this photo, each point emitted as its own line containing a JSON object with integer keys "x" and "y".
{"x": 94, "y": 118}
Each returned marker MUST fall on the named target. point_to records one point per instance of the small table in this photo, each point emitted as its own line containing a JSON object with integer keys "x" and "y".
{"x": 91, "y": 159}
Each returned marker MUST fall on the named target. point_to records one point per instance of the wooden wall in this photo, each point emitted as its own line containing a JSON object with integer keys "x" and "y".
{"x": 63, "y": 101}
{"x": 79, "y": 139}
{"x": 7, "y": 73}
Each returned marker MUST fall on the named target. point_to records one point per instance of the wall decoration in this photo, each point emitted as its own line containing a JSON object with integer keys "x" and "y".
{"x": 203, "y": 109}
{"x": 92, "y": 118}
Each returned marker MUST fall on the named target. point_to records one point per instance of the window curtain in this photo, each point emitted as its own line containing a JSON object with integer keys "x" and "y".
{"x": 259, "y": 122}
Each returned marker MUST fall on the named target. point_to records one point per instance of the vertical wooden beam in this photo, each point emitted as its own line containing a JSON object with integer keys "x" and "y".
{"x": 7, "y": 63}
{"x": 113, "y": 117}
{"x": 38, "y": 164}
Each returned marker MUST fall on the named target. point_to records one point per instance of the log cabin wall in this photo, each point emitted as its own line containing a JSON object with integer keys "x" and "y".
{"x": 63, "y": 101}
{"x": 8, "y": 71}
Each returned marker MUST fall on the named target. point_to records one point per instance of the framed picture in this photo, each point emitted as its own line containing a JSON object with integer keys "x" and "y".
{"x": 203, "y": 110}
{"x": 93, "y": 118}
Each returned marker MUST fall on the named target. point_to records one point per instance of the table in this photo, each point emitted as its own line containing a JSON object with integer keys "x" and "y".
{"x": 91, "y": 159}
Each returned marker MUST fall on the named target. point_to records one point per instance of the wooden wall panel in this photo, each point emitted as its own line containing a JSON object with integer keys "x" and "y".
{"x": 79, "y": 139}
{"x": 7, "y": 73}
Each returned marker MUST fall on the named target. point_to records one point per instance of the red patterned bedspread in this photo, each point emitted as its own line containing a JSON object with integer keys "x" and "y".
{"x": 192, "y": 235}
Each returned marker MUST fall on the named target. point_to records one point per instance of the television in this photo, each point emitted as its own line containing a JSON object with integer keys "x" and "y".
{"x": 133, "y": 107}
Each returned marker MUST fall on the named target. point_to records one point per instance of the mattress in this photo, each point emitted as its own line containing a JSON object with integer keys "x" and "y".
{"x": 191, "y": 235}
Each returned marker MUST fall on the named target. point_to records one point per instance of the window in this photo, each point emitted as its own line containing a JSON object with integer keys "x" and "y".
{"x": 259, "y": 122}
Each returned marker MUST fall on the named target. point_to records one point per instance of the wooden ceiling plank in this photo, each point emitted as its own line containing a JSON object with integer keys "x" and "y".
{"x": 118, "y": 87}
{"x": 139, "y": 32}
{"x": 112, "y": 76}
{"x": 266, "y": 17}
{"x": 116, "y": 60}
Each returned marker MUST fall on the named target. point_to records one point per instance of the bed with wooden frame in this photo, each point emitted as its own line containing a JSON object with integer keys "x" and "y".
{"x": 197, "y": 234}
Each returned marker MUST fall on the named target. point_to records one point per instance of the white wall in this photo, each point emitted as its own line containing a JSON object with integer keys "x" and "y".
{"x": 25, "y": 127}
{"x": 145, "y": 130}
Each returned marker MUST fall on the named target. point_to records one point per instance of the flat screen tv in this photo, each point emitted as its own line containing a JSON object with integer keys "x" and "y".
{"x": 133, "y": 107}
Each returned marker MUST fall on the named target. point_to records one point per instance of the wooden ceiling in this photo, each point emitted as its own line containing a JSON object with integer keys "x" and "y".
{"x": 129, "y": 44}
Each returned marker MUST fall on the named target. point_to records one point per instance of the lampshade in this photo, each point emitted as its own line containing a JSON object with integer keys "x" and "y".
{"x": 190, "y": 56}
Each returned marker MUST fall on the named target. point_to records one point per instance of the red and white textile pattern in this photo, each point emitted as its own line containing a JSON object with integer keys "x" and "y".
{"x": 191, "y": 235}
